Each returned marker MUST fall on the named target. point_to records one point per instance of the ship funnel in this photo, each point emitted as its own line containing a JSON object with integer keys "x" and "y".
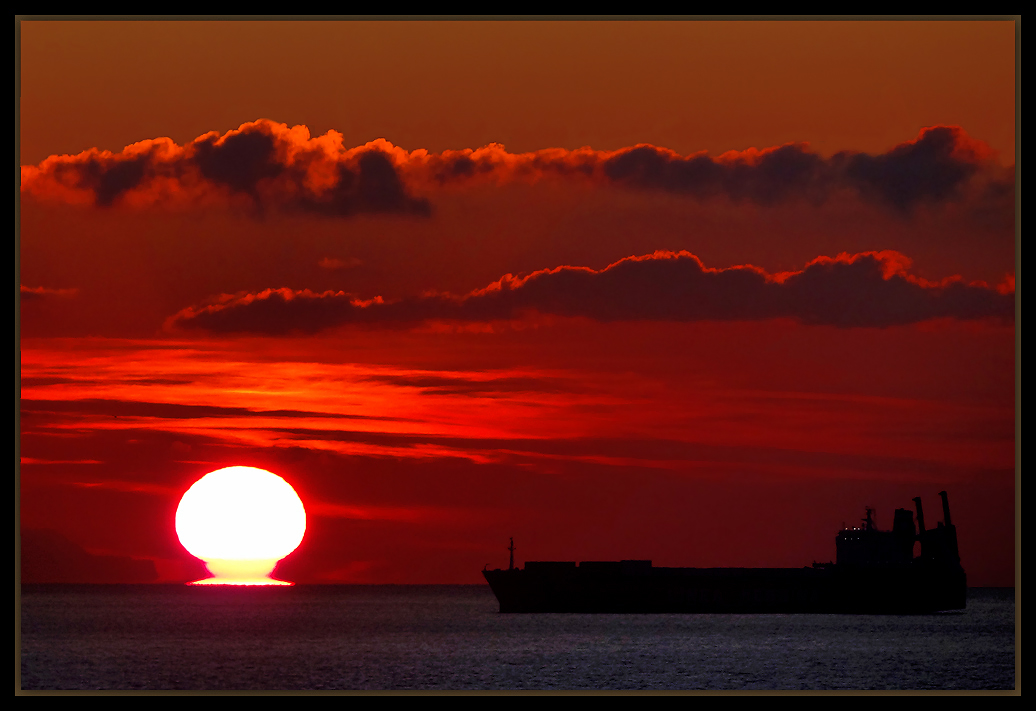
{"x": 945, "y": 508}
{"x": 920, "y": 516}
{"x": 904, "y": 534}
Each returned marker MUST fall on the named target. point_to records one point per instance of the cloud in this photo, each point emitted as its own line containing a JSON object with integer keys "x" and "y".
{"x": 366, "y": 512}
{"x": 872, "y": 289}
{"x": 166, "y": 410}
{"x": 262, "y": 164}
{"x": 49, "y": 557}
{"x": 265, "y": 165}
{"x": 932, "y": 168}
{"x": 36, "y": 293}
{"x": 442, "y": 385}
{"x": 942, "y": 164}
{"x": 336, "y": 263}
{"x": 764, "y": 177}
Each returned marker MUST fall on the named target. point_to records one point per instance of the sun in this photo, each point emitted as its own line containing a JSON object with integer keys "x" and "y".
{"x": 240, "y": 521}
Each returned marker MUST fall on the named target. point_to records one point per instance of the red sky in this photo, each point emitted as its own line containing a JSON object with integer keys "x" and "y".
{"x": 689, "y": 291}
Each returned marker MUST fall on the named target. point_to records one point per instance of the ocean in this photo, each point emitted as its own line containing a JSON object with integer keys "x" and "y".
{"x": 366, "y": 637}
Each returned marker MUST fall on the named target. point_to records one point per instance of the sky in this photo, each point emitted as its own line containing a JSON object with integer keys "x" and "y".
{"x": 694, "y": 292}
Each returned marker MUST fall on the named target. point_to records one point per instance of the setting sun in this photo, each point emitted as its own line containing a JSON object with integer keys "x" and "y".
{"x": 241, "y": 521}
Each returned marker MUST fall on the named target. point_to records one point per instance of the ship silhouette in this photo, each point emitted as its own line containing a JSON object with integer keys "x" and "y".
{"x": 875, "y": 573}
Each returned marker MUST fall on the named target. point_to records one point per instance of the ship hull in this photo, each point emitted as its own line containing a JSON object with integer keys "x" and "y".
{"x": 830, "y": 589}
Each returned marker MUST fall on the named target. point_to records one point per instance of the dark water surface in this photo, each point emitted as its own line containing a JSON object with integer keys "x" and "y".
{"x": 452, "y": 637}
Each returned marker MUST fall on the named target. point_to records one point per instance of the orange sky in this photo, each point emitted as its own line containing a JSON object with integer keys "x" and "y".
{"x": 286, "y": 294}
{"x": 689, "y": 86}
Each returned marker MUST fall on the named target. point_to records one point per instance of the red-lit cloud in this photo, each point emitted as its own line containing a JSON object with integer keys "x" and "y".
{"x": 33, "y": 293}
{"x": 869, "y": 289}
{"x": 49, "y": 557}
{"x": 264, "y": 165}
{"x": 261, "y": 164}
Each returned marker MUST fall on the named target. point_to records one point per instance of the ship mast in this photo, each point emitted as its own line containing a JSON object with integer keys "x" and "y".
{"x": 510, "y": 565}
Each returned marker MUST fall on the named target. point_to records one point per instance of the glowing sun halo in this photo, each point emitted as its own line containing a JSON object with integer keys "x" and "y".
{"x": 240, "y": 521}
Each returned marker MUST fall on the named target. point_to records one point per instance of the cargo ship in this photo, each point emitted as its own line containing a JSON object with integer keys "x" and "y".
{"x": 875, "y": 572}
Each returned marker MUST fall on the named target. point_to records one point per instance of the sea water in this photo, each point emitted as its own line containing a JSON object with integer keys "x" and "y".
{"x": 453, "y": 637}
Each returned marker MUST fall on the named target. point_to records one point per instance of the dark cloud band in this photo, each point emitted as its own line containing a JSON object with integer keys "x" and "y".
{"x": 267, "y": 164}
{"x": 872, "y": 289}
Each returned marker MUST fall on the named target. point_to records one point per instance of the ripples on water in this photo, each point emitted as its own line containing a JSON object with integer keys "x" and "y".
{"x": 452, "y": 637}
